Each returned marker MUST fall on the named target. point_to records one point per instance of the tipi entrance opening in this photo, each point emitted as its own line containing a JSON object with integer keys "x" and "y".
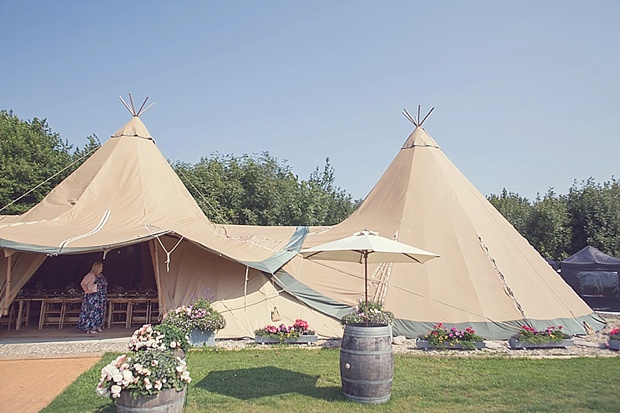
{"x": 132, "y": 290}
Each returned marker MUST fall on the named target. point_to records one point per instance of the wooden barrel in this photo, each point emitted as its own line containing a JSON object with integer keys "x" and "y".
{"x": 367, "y": 363}
{"x": 167, "y": 400}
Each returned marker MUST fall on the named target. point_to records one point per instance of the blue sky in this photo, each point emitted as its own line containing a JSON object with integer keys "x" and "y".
{"x": 526, "y": 94}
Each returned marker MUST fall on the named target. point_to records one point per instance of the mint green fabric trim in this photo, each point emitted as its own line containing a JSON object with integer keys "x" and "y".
{"x": 276, "y": 261}
{"x": 493, "y": 330}
{"x": 49, "y": 250}
{"x": 311, "y": 297}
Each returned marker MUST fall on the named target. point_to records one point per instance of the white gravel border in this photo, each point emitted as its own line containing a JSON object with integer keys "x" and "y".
{"x": 592, "y": 345}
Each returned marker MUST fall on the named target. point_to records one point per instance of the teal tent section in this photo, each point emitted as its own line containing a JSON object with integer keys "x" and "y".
{"x": 276, "y": 261}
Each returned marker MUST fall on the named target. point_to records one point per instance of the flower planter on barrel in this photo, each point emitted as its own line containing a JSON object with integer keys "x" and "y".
{"x": 367, "y": 363}
{"x": 168, "y": 400}
{"x": 151, "y": 380}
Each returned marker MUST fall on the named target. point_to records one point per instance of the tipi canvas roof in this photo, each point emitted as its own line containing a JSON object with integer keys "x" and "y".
{"x": 125, "y": 193}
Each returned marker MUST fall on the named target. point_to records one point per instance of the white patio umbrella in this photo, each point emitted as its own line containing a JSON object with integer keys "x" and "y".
{"x": 364, "y": 247}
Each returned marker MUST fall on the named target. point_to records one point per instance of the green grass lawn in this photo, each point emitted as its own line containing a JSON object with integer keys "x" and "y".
{"x": 290, "y": 379}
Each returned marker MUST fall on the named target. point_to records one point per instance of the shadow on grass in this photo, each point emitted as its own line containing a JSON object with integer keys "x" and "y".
{"x": 254, "y": 383}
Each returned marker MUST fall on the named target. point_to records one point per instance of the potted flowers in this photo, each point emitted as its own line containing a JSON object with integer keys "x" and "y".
{"x": 376, "y": 315}
{"x": 298, "y": 333}
{"x": 442, "y": 338}
{"x": 529, "y": 337}
{"x": 614, "y": 339}
{"x": 199, "y": 321}
{"x": 146, "y": 380}
{"x": 151, "y": 378}
{"x": 159, "y": 337}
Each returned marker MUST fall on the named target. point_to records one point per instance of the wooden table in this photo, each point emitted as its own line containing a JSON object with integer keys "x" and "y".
{"x": 126, "y": 303}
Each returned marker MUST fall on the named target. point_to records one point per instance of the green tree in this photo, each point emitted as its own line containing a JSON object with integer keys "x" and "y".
{"x": 548, "y": 227}
{"x": 560, "y": 225}
{"x": 81, "y": 154}
{"x": 33, "y": 160}
{"x": 260, "y": 190}
{"x": 331, "y": 204}
{"x": 595, "y": 215}
{"x": 514, "y": 208}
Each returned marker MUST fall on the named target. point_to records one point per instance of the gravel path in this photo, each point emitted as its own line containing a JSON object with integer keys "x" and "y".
{"x": 592, "y": 345}
{"x": 583, "y": 347}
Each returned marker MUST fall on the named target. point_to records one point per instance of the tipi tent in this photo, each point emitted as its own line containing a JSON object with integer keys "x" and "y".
{"x": 126, "y": 199}
{"x": 594, "y": 276}
{"x": 487, "y": 276}
{"x": 127, "y": 196}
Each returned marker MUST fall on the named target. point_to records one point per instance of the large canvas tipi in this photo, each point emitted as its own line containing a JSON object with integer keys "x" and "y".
{"x": 125, "y": 205}
{"x": 487, "y": 276}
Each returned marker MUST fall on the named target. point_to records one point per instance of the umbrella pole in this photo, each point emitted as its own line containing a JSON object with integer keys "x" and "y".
{"x": 366, "y": 285}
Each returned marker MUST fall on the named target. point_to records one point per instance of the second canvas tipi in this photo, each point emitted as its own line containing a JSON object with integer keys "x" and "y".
{"x": 487, "y": 276}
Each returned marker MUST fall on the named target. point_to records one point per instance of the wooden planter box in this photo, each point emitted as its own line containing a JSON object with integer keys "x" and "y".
{"x": 523, "y": 345}
{"x": 614, "y": 344}
{"x": 425, "y": 345}
{"x": 300, "y": 340}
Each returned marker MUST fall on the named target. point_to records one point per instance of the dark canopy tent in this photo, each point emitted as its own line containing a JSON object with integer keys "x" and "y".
{"x": 594, "y": 276}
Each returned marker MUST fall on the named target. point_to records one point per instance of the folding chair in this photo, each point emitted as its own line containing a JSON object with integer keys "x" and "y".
{"x": 52, "y": 311}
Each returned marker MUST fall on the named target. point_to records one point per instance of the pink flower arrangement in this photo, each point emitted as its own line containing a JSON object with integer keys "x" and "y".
{"x": 615, "y": 334}
{"x": 441, "y": 337}
{"x": 301, "y": 325}
{"x": 551, "y": 334}
{"x": 283, "y": 332}
{"x": 200, "y": 315}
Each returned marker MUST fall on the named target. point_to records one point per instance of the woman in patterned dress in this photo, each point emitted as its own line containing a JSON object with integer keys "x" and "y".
{"x": 92, "y": 313}
{"x": 101, "y": 302}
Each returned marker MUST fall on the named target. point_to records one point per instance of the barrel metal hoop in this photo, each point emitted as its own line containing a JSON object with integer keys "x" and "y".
{"x": 163, "y": 408}
{"x": 367, "y": 400}
{"x": 358, "y": 381}
{"x": 370, "y": 353}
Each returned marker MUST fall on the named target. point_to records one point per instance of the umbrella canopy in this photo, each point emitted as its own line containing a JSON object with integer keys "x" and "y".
{"x": 364, "y": 247}
{"x": 367, "y": 247}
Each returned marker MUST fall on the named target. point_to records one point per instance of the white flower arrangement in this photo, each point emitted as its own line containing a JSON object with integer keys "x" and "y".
{"x": 153, "y": 366}
{"x": 144, "y": 373}
{"x": 159, "y": 337}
